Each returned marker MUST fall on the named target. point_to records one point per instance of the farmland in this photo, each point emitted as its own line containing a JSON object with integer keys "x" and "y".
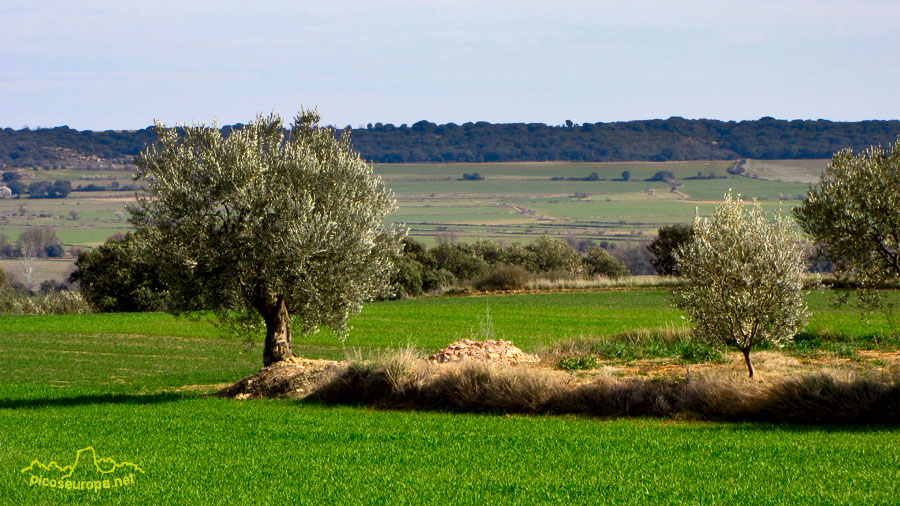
{"x": 515, "y": 202}
{"x": 128, "y": 385}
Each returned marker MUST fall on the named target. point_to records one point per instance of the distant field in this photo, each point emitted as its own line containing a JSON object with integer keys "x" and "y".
{"x": 514, "y": 203}
{"x": 44, "y": 269}
{"x": 801, "y": 171}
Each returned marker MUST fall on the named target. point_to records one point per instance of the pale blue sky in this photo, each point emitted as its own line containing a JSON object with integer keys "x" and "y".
{"x": 119, "y": 64}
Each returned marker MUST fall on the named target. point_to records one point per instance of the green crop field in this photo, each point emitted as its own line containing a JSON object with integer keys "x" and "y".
{"x": 125, "y": 385}
{"x": 531, "y": 321}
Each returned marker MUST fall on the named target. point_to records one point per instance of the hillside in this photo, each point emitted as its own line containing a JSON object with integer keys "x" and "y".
{"x": 646, "y": 140}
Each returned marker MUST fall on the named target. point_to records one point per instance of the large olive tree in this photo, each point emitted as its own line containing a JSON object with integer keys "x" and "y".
{"x": 286, "y": 225}
{"x": 743, "y": 278}
{"x": 854, "y": 212}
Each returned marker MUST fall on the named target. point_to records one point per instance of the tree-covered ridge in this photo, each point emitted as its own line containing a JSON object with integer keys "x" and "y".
{"x": 644, "y": 140}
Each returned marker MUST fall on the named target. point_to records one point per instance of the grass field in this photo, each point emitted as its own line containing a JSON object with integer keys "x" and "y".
{"x": 531, "y": 321}
{"x": 124, "y": 384}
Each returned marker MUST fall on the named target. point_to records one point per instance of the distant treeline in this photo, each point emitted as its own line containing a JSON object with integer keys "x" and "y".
{"x": 646, "y": 140}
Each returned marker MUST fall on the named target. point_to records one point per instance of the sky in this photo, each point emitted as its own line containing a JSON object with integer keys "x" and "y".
{"x": 119, "y": 65}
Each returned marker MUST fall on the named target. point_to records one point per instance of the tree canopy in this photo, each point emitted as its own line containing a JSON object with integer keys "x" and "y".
{"x": 743, "y": 278}
{"x": 649, "y": 140}
{"x": 282, "y": 225}
{"x": 854, "y": 212}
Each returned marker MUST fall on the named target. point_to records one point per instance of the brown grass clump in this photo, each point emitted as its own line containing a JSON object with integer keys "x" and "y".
{"x": 485, "y": 387}
{"x": 405, "y": 380}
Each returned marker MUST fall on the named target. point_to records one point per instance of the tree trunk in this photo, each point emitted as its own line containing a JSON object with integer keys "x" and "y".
{"x": 278, "y": 331}
{"x": 747, "y": 359}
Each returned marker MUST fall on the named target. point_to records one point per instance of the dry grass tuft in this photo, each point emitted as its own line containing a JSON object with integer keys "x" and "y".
{"x": 409, "y": 383}
{"x": 603, "y": 282}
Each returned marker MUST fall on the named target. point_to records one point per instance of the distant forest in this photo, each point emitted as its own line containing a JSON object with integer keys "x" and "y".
{"x": 646, "y": 140}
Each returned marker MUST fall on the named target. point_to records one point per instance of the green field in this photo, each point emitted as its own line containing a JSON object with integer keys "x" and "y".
{"x": 531, "y": 321}
{"x": 124, "y": 385}
{"x": 515, "y": 201}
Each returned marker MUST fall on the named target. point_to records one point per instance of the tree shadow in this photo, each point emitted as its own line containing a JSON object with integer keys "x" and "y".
{"x": 93, "y": 399}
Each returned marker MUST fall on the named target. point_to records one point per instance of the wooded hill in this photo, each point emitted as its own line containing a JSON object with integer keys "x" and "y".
{"x": 645, "y": 140}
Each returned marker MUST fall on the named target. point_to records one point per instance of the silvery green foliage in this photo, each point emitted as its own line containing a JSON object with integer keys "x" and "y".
{"x": 855, "y": 213}
{"x": 259, "y": 215}
{"x": 744, "y": 277}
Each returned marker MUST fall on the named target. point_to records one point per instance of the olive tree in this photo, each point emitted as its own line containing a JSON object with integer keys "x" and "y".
{"x": 854, "y": 212}
{"x": 280, "y": 225}
{"x": 743, "y": 278}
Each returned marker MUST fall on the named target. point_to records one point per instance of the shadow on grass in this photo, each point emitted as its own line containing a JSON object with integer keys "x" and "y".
{"x": 90, "y": 399}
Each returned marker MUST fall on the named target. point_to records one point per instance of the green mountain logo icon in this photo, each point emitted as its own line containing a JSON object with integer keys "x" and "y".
{"x": 89, "y": 471}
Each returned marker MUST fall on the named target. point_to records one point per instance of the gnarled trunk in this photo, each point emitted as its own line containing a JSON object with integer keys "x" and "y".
{"x": 746, "y": 352}
{"x": 278, "y": 330}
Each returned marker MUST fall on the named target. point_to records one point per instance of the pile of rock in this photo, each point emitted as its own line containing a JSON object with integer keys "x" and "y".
{"x": 295, "y": 377}
{"x": 494, "y": 350}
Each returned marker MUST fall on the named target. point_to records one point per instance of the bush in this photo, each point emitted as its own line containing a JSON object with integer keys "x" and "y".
{"x": 407, "y": 279}
{"x": 577, "y": 363}
{"x": 547, "y": 254}
{"x": 669, "y": 239}
{"x": 636, "y": 258}
{"x": 120, "y": 275}
{"x": 459, "y": 259}
{"x": 54, "y": 251}
{"x": 662, "y": 175}
{"x": 437, "y": 279}
{"x": 598, "y": 262}
{"x": 698, "y": 352}
{"x": 503, "y": 277}
{"x": 64, "y": 302}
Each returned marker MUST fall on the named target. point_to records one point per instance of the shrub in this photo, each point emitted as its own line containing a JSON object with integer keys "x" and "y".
{"x": 669, "y": 239}
{"x": 459, "y": 259}
{"x": 503, "y": 277}
{"x": 598, "y": 262}
{"x": 547, "y": 254}
{"x": 489, "y": 251}
{"x": 698, "y": 352}
{"x": 407, "y": 278}
{"x": 636, "y": 258}
{"x": 64, "y": 302}
{"x": 577, "y": 363}
{"x": 662, "y": 175}
{"x": 120, "y": 275}
{"x": 437, "y": 279}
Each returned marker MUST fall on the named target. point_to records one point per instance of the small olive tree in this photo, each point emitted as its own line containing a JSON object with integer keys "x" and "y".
{"x": 743, "y": 278}
{"x": 854, "y": 212}
{"x": 286, "y": 228}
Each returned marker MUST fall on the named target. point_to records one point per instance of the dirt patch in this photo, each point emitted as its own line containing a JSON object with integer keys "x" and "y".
{"x": 492, "y": 350}
{"x": 295, "y": 378}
